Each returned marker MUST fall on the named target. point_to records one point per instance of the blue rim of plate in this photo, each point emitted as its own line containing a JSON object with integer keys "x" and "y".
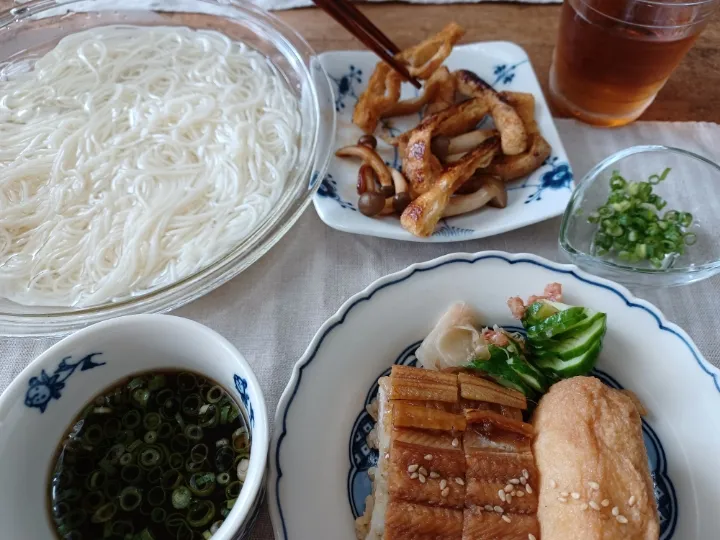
{"x": 393, "y": 279}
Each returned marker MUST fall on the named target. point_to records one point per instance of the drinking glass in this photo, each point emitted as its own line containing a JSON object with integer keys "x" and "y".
{"x": 613, "y": 56}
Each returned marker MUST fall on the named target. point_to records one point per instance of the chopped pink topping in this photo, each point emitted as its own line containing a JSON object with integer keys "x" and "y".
{"x": 496, "y": 337}
{"x": 517, "y": 307}
{"x": 553, "y": 291}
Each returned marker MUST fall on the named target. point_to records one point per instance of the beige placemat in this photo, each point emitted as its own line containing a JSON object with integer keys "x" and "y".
{"x": 271, "y": 311}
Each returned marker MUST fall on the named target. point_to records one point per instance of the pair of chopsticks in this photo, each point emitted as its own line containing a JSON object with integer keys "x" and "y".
{"x": 345, "y": 12}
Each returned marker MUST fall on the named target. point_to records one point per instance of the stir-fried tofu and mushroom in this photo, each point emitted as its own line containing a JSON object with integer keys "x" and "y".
{"x": 449, "y": 166}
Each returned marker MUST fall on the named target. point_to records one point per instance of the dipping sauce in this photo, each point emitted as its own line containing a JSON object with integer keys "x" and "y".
{"x": 159, "y": 455}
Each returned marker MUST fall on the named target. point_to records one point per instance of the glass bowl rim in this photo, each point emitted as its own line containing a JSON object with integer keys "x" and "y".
{"x": 62, "y": 320}
{"x": 590, "y": 177}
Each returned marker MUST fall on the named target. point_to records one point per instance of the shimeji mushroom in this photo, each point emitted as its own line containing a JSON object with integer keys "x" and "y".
{"x": 371, "y": 203}
{"x": 371, "y": 157}
{"x": 401, "y": 198}
{"x": 492, "y": 193}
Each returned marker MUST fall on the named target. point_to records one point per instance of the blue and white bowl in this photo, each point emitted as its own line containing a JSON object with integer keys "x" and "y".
{"x": 42, "y": 401}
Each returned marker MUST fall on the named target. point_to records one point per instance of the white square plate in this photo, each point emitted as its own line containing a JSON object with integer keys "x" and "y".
{"x": 542, "y": 195}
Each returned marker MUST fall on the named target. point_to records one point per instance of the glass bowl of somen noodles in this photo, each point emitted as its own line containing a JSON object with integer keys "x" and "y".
{"x": 149, "y": 154}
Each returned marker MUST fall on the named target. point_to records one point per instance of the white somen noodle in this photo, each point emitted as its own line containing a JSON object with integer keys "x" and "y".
{"x": 131, "y": 157}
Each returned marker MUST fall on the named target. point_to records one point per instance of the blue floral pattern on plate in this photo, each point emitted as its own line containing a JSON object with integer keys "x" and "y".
{"x": 362, "y": 457}
{"x": 43, "y": 389}
{"x": 241, "y": 386}
{"x": 328, "y": 188}
{"x": 345, "y": 85}
{"x": 502, "y": 64}
{"x": 559, "y": 176}
{"x": 505, "y": 73}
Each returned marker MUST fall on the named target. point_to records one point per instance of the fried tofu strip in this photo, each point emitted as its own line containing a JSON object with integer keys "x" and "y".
{"x": 512, "y": 130}
{"x": 426, "y": 57}
{"x": 382, "y": 92}
{"x": 422, "y": 215}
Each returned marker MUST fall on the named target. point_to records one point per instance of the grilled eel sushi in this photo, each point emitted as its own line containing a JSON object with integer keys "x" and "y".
{"x": 455, "y": 461}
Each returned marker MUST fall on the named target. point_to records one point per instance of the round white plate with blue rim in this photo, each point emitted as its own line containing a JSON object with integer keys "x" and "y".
{"x": 541, "y": 195}
{"x": 319, "y": 458}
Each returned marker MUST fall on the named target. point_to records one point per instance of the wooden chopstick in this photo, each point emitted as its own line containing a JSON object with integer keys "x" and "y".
{"x": 352, "y": 10}
{"x": 368, "y": 35}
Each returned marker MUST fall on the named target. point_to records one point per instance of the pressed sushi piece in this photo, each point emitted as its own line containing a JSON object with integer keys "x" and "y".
{"x": 500, "y": 476}
{"x": 480, "y": 524}
{"x": 409, "y": 521}
{"x": 449, "y": 443}
{"x": 371, "y": 525}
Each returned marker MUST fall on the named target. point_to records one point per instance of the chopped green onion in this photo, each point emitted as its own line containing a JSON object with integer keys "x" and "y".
{"x": 191, "y": 405}
{"x": 150, "y": 437}
{"x": 156, "y": 496}
{"x": 215, "y": 394}
{"x": 200, "y": 513}
{"x": 93, "y": 434}
{"x": 154, "y": 475}
{"x": 232, "y": 491}
{"x": 131, "y": 419}
{"x": 180, "y": 443}
{"x": 112, "y": 489}
{"x": 199, "y": 453}
{"x": 224, "y": 458}
{"x": 131, "y": 474}
{"x": 175, "y": 461}
{"x": 240, "y": 440}
{"x": 141, "y": 397}
{"x": 123, "y": 528}
{"x": 129, "y": 499}
{"x": 181, "y": 497}
{"x": 92, "y": 501}
{"x": 193, "y": 432}
{"x": 690, "y": 239}
{"x": 193, "y": 466}
{"x": 156, "y": 382}
{"x": 165, "y": 431}
{"x": 209, "y": 416}
{"x": 158, "y": 515}
{"x": 630, "y": 228}
{"x": 150, "y": 457}
{"x": 202, "y": 484}
{"x": 152, "y": 421}
{"x": 223, "y": 478}
{"x": 105, "y": 513}
{"x": 172, "y": 479}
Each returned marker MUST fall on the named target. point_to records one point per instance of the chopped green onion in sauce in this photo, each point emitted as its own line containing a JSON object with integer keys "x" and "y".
{"x": 151, "y": 458}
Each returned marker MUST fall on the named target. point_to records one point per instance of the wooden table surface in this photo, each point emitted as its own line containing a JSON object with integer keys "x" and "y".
{"x": 691, "y": 94}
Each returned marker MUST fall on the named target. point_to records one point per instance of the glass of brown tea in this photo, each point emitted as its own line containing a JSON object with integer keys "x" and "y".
{"x": 612, "y": 57}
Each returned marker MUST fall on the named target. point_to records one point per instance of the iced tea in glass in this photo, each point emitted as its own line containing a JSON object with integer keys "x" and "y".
{"x": 613, "y": 56}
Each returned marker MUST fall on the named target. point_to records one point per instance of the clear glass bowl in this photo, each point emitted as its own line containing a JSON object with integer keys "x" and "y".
{"x": 31, "y": 29}
{"x": 691, "y": 186}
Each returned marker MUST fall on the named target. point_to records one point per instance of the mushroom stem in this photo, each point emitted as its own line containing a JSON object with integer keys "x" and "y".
{"x": 365, "y": 179}
{"x": 371, "y": 157}
{"x": 491, "y": 193}
{"x": 469, "y": 141}
{"x": 398, "y": 180}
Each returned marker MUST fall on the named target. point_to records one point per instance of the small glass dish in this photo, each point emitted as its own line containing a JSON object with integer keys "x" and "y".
{"x": 691, "y": 186}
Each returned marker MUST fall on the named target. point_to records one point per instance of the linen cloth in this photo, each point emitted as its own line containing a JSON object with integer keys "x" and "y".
{"x": 272, "y": 310}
